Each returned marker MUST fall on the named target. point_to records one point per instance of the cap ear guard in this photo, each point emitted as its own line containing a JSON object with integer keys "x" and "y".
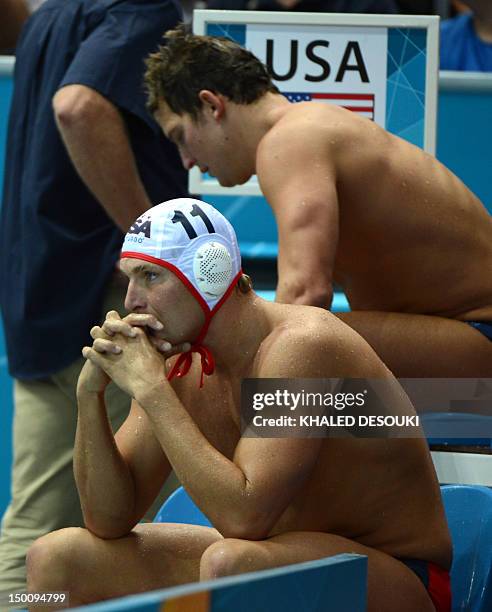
{"x": 212, "y": 267}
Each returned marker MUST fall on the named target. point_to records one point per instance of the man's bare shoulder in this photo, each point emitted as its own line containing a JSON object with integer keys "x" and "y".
{"x": 313, "y": 343}
{"x": 307, "y": 133}
{"x": 305, "y": 119}
{"x": 315, "y": 135}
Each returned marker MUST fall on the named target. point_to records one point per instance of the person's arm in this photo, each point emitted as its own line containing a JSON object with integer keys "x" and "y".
{"x": 117, "y": 477}
{"x": 94, "y": 133}
{"x": 13, "y": 15}
{"x": 298, "y": 180}
{"x": 242, "y": 497}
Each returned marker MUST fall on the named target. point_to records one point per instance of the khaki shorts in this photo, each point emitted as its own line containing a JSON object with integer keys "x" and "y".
{"x": 44, "y": 496}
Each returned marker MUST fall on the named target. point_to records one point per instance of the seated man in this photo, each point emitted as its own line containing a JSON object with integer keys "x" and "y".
{"x": 272, "y": 501}
{"x": 409, "y": 244}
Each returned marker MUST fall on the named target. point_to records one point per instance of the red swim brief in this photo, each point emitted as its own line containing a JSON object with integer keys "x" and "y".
{"x": 436, "y": 580}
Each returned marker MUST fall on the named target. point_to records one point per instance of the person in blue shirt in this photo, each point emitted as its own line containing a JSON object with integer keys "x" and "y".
{"x": 84, "y": 157}
{"x": 333, "y": 6}
{"x": 466, "y": 40}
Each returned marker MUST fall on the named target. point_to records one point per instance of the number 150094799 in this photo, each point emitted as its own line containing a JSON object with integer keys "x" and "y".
{"x": 32, "y": 599}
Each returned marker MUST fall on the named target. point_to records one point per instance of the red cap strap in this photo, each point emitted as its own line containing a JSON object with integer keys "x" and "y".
{"x": 184, "y": 361}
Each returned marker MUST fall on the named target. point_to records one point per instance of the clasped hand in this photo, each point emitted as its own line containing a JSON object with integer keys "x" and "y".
{"x": 123, "y": 352}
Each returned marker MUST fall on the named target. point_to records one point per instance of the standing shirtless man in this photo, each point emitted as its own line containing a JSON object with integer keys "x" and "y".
{"x": 271, "y": 501}
{"x": 409, "y": 244}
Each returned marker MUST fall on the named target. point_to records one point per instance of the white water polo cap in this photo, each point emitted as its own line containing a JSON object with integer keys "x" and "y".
{"x": 197, "y": 243}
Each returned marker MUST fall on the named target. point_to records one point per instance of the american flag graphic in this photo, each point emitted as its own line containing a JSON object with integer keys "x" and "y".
{"x": 362, "y": 104}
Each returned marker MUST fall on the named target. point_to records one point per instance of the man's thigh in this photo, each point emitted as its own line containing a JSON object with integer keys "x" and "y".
{"x": 413, "y": 345}
{"x": 152, "y": 556}
{"x": 391, "y": 585}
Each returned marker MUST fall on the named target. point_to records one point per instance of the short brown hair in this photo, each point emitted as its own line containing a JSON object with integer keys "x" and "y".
{"x": 188, "y": 63}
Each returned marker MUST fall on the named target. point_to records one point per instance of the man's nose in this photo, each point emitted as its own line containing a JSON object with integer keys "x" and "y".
{"x": 187, "y": 161}
{"x": 134, "y": 299}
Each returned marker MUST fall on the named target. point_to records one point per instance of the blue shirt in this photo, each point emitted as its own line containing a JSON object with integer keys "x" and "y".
{"x": 58, "y": 247}
{"x": 323, "y": 6}
{"x": 461, "y": 49}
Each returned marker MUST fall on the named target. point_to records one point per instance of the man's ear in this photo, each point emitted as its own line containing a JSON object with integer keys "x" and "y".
{"x": 215, "y": 103}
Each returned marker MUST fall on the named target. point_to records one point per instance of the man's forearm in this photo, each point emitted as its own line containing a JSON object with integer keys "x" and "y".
{"x": 94, "y": 133}
{"x": 104, "y": 481}
{"x": 218, "y": 485}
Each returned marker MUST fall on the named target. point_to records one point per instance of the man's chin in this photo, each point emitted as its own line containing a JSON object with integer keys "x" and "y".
{"x": 229, "y": 182}
{"x": 223, "y": 182}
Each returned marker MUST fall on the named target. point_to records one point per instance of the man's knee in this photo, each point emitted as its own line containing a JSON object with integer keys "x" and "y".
{"x": 228, "y": 557}
{"x": 50, "y": 560}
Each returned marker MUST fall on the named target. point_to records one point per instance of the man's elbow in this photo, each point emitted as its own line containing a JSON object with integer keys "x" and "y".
{"x": 321, "y": 298}
{"x": 107, "y": 527}
{"x": 74, "y": 106}
{"x": 108, "y": 532}
{"x": 306, "y": 295}
{"x": 244, "y": 527}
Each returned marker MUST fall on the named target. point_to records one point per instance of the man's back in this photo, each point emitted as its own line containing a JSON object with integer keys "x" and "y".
{"x": 406, "y": 225}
